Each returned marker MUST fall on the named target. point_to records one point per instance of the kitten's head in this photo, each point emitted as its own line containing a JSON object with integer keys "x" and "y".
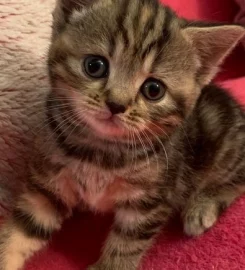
{"x": 132, "y": 66}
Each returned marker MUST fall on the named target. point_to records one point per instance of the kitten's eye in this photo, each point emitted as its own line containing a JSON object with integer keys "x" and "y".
{"x": 153, "y": 90}
{"x": 96, "y": 66}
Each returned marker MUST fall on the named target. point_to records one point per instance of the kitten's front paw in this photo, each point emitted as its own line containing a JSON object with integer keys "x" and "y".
{"x": 200, "y": 217}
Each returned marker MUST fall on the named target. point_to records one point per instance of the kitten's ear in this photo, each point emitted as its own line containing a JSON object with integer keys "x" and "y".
{"x": 213, "y": 44}
{"x": 63, "y": 11}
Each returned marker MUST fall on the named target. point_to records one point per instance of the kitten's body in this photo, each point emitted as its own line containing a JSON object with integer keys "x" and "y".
{"x": 183, "y": 153}
{"x": 205, "y": 154}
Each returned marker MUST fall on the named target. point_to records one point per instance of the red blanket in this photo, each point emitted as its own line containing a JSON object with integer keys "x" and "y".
{"x": 222, "y": 248}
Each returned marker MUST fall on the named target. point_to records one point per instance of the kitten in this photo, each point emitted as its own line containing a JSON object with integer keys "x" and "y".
{"x": 135, "y": 127}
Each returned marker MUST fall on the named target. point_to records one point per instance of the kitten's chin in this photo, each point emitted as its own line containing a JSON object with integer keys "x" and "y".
{"x": 109, "y": 128}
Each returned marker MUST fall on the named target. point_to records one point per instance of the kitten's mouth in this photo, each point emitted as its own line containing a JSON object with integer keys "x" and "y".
{"x": 106, "y": 126}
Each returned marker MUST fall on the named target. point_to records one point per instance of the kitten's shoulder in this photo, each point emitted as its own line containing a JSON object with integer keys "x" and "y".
{"x": 213, "y": 96}
{"x": 216, "y": 113}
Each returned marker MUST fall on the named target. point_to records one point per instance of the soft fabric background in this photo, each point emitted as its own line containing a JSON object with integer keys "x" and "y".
{"x": 24, "y": 39}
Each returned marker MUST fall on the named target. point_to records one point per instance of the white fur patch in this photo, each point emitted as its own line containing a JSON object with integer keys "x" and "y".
{"x": 100, "y": 190}
{"x": 127, "y": 217}
{"x": 40, "y": 208}
{"x": 19, "y": 248}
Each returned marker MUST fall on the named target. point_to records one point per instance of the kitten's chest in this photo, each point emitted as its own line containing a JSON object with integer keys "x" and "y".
{"x": 101, "y": 190}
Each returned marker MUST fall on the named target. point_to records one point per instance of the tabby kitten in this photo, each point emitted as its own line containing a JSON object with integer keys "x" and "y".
{"x": 135, "y": 127}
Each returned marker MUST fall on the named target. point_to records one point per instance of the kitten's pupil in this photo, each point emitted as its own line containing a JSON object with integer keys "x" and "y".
{"x": 96, "y": 66}
{"x": 153, "y": 90}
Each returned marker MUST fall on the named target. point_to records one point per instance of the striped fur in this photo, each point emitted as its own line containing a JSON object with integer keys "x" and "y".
{"x": 184, "y": 153}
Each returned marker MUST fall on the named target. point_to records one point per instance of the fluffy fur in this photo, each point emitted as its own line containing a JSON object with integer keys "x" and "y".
{"x": 108, "y": 148}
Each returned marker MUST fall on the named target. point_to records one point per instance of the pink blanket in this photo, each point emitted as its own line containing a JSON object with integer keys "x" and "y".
{"x": 222, "y": 248}
{"x": 24, "y": 38}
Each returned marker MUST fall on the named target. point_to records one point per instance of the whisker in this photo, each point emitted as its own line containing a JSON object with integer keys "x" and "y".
{"x": 163, "y": 131}
{"x": 47, "y": 122}
{"x": 133, "y": 164}
{"x": 187, "y": 138}
{"x": 152, "y": 147}
{"x": 163, "y": 147}
{"x": 68, "y": 120}
{"x": 60, "y": 125}
{"x": 143, "y": 146}
{"x": 130, "y": 142}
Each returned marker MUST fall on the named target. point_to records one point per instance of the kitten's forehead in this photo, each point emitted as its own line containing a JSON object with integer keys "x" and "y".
{"x": 141, "y": 25}
{"x": 129, "y": 27}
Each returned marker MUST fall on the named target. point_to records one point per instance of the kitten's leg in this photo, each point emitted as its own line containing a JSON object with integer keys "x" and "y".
{"x": 203, "y": 209}
{"x": 131, "y": 236}
{"x": 34, "y": 219}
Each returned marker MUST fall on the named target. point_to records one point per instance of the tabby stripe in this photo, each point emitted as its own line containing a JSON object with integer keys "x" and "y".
{"x": 45, "y": 166}
{"x": 181, "y": 106}
{"x": 168, "y": 18}
{"x": 153, "y": 44}
{"x": 61, "y": 58}
{"x": 101, "y": 158}
{"x": 121, "y": 21}
{"x": 144, "y": 205}
{"x": 112, "y": 44}
{"x": 136, "y": 16}
{"x": 66, "y": 121}
{"x": 238, "y": 174}
{"x": 57, "y": 202}
{"x": 151, "y": 23}
{"x": 126, "y": 253}
{"x": 86, "y": 153}
{"x": 61, "y": 109}
{"x": 166, "y": 32}
{"x": 70, "y": 71}
{"x": 51, "y": 120}
{"x": 144, "y": 231}
{"x": 240, "y": 177}
{"x": 242, "y": 128}
{"x": 26, "y": 222}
